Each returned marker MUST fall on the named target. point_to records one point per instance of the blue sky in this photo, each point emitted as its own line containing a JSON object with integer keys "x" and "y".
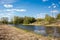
{"x": 32, "y": 8}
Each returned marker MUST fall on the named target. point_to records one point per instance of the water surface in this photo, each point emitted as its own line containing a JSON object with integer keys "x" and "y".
{"x": 52, "y": 31}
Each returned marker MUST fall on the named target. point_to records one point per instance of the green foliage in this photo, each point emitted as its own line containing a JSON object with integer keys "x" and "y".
{"x": 28, "y": 20}
{"x": 17, "y": 20}
{"x": 4, "y": 20}
{"x": 49, "y": 18}
{"x": 39, "y": 20}
{"x": 20, "y": 20}
{"x": 58, "y": 16}
{"x": 31, "y": 19}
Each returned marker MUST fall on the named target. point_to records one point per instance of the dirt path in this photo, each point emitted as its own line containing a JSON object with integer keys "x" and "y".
{"x": 11, "y": 33}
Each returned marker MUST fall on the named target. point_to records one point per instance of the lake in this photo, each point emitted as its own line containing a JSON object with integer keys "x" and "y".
{"x": 42, "y": 30}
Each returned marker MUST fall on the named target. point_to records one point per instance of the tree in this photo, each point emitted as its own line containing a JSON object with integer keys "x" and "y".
{"x": 28, "y": 20}
{"x": 39, "y": 20}
{"x": 31, "y": 19}
{"x": 49, "y": 18}
{"x": 4, "y": 20}
{"x": 17, "y": 20}
{"x": 58, "y": 16}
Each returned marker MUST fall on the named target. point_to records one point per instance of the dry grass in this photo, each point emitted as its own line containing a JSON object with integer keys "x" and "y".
{"x": 11, "y": 33}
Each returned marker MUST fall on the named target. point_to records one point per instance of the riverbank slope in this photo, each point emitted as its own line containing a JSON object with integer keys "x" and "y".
{"x": 7, "y": 32}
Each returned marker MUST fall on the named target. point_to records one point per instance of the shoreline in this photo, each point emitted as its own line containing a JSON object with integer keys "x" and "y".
{"x": 43, "y": 25}
{"x": 13, "y": 33}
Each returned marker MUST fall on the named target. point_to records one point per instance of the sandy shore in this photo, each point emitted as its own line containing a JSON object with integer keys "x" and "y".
{"x": 8, "y": 32}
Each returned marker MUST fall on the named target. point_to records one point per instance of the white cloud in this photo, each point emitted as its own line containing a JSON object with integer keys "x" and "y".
{"x": 8, "y": 5}
{"x": 54, "y": 6}
{"x": 10, "y": 12}
{"x": 54, "y": 11}
{"x": 6, "y": 14}
{"x": 21, "y": 10}
{"x": 13, "y": 10}
{"x": 40, "y": 15}
{"x": 7, "y": 1}
{"x": 17, "y": 10}
{"x": 44, "y": 0}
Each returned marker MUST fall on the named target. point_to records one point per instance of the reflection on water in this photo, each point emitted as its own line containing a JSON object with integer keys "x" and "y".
{"x": 54, "y": 31}
{"x": 40, "y": 30}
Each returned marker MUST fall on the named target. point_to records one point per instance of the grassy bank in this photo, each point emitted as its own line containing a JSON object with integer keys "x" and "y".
{"x": 8, "y": 32}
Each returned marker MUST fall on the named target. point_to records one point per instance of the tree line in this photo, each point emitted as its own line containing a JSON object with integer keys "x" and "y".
{"x": 28, "y": 20}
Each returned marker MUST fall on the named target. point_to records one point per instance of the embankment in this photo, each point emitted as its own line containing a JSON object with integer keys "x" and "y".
{"x": 8, "y": 32}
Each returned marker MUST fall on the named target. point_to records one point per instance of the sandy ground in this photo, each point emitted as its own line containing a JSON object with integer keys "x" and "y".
{"x": 11, "y": 33}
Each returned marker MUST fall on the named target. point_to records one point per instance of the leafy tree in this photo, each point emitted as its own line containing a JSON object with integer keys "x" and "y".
{"x": 4, "y": 20}
{"x": 39, "y": 20}
{"x": 58, "y": 16}
{"x": 17, "y": 20}
{"x": 28, "y": 20}
{"x": 49, "y": 18}
{"x": 31, "y": 19}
